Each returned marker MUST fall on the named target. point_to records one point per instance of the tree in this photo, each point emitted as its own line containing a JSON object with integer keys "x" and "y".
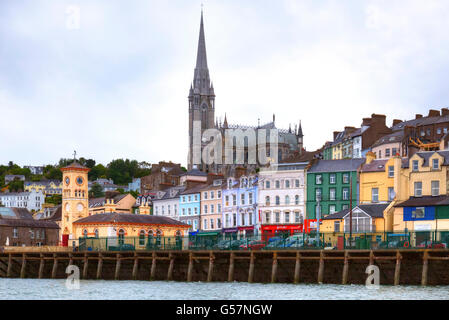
{"x": 55, "y": 199}
{"x": 96, "y": 191}
{"x": 16, "y": 186}
{"x": 98, "y": 171}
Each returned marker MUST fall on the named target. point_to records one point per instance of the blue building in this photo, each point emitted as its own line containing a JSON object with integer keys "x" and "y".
{"x": 190, "y": 207}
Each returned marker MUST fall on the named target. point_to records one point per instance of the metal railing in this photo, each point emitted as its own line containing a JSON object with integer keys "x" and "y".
{"x": 313, "y": 241}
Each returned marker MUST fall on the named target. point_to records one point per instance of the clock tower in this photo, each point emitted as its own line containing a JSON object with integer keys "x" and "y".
{"x": 75, "y": 199}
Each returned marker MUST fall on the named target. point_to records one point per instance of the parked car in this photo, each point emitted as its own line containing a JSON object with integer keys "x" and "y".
{"x": 230, "y": 244}
{"x": 279, "y": 244}
{"x": 432, "y": 245}
{"x": 253, "y": 245}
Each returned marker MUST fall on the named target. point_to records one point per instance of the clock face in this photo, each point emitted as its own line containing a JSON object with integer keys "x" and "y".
{"x": 79, "y": 180}
{"x": 80, "y": 207}
{"x": 67, "y": 207}
{"x": 67, "y": 180}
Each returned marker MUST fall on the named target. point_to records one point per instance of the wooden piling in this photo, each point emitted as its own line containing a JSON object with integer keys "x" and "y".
{"x": 8, "y": 272}
{"x": 274, "y": 267}
{"x": 297, "y": 267}
{"x": 371, "y": 258}
{"x": 190, "y": 269}
{"x": 251, "y": 268}
{"x": 171, "y": 267}
{"x": 71, "y": 259}
{"x": 321, "y": 268}
{"x": 231, "y": 267}
{"x": 24, "y": 263}
{"x": 85, "y": 266}
{"x": 41, "y": 266}
{"x": 425, "y": 266}
{"x": 211, "y": 267}
{"x": 117, "y": 267}
{"x": 345, "y": 269}
{"x": 55, "y": 266}
{"x": 397, "y": 270}
{"x": 135, "y": 266}
{"x": 99, "y": 265}
{"x": 153, "y": 267}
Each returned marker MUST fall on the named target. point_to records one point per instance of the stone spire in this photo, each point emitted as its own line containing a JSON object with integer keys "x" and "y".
{"x": 225, "y": 123}
{"x": 201, "y": 80}
{"x": 300, "y": 130}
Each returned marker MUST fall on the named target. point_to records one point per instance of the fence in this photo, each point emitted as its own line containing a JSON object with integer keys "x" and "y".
{"x": 313, "y": 241}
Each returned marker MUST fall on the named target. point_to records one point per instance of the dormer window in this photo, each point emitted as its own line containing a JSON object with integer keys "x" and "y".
{"x": 435, "y": 164}
{"x": 415, "y": 165}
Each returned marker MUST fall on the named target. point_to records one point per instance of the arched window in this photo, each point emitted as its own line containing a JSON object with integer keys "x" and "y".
{"x": 158, "y": 237}
{"x": 267, "y": 200}
{"x": 121, "y": 236}
{"x": 96, "y": 233}
{"x": 287, "y": 183}
{"x": 287, "y": 200}
{"x": 142, "y": 238}
{"x": 278, "y": 200}
{"x": 278, "y": 184}
{"x": 85, "y": 233}
{"x": 267, "y": 185}
{"x": 296, "y": 199}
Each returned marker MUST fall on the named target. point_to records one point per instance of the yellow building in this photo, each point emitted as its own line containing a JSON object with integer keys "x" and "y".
{"x": 377, "y": 180}
{"x": 48, "y": 188}
{"x": 75, "y": 202}
{"x": 120, "y": 203}
{"x": 423, "y": 200}
{"x": 133, "y": 229}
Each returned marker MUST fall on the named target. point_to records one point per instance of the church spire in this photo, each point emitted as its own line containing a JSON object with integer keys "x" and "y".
{"x": 201, "y": 80}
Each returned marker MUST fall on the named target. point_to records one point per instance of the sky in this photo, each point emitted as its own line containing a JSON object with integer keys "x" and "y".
{"x": 110, "y": 78}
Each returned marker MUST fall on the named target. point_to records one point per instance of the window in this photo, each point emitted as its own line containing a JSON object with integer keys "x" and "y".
{"x": 205, "y": 208}
{"x": 318, "y": 194}
{"x": 227, "y": 201}
{"x": 332, "y": 193}
{"x": 218, "y": 223}
{"x": 267, "y": 184}
{"x": 218, "y": 208}
{"x": 390, "y": 171}
{"x": 278, "y": 184}
{"x": 297, "y": 183}
{"x": 380, "y": 154}
{"x": 277, "y": 216}
{"x": 278, "y": 200}
{"x": 318, "y": 179}
{"x": 387, "y": 152}
{"x": 242, "y": 198}
{"x": 287, "y": 183}
{"x": 121, "y": 236}
{"x": 190, "y": 211}
{"x": 234, "y": 219}
{"x": 218, "y": 194}
{"x": 375, "y": 195}
{"x": 332, "y": 178}
{"x": 287, "y": 200}
{"x": 250, "y": 198}
{"x": 234, "y": 200}
{"x": 195, "y": 210}
{"x": 415, "y": 165}
{"x": 332, "y": 208}
{"x": 435, "y": 164}
{"x": 212, "y": 223}
{"x": 345, "y": 193}
{"x": 212, "y": 208}
{"x": 287, "y": 217}
{"x": 142, "y": 238}
{"x": 96, "y": 233}
{"x": 267, "y": 200}
{"x": 296, "y": 199}
{"x": 336, "y": 226}
{"x": 85, "y": 233}
{"x": 297, "y": 217}
{"x": 267, "y": 217}
{"x": 435, "y": 188}
{"x": 418, "y": 189}
{"x": 205, "y": 195}
{"x": 418, "y": 213}
{"x": 345, "y": 207}
{"x": 212, "y": 195}
{"x": 205, "y": 224}
{"x": 394, "y": 151}
{"x": 390, "y": 194}
{"x": 345, "y": 177}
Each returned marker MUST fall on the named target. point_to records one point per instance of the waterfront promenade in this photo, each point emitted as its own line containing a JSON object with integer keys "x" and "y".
{"x": 396, "y": 266}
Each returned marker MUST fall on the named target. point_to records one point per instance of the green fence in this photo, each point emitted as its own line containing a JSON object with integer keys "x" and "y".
{"x": 313, "y": 241}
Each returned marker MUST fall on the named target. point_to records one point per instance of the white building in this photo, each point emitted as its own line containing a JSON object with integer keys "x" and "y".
{"x": 281, "y": 200}
{"x": 30, "y": 200}
{"x": 166, "y": 203}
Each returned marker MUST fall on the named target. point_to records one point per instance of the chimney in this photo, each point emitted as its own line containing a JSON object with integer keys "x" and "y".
{"x": 366, "y": 122}
{"x": 379, "y": 118}
{"x": 193, "y": 183}
{"x": 239, "y": 171}
{"x": 434, "y": 113}
{"x": 213, "y": 176}
{"x": 336, "y": 134}
{"x": 397, "y": 121}
{"x": 418, "y": 116}
{"x": 445, "y": 112}
{"x": 370, "y": 156}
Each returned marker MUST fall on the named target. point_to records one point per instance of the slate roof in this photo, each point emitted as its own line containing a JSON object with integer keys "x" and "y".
{"x": 99, "y": 202}
{"x": 129, "y": 218}
{"x": 424, "y": 201}
{"x": 21, "y": 217}
{"x": 336, "y": 165}
{"x": 427, "y": 154}
{"x": 390, "y": 138}
{"x": 374, "y": 166}
{"x": 75, "y": 165}
{"x": 375, "y": 210}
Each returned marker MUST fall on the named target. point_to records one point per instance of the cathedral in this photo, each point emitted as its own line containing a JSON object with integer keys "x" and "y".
{"x": 202, "y": 110}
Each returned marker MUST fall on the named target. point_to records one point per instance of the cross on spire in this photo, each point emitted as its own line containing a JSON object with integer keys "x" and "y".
{"x": 74, "y": 155}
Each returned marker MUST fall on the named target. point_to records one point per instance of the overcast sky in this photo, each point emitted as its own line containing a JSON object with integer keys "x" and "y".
{"x": 117, "y": 86}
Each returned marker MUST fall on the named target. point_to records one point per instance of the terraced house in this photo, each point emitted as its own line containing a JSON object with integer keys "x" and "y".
{"x": 282, "y": 198}
{"x": 48, "y": 187}
{"x": 423, "y": 202}
{"x": 211, "y": 205}
{"x": 329, "y": 187}
{"x": 166, "y": 203}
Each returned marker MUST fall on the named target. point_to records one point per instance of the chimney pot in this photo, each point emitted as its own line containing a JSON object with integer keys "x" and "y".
{"x": 418, "y": 116}
{"x": 434, "y": 113}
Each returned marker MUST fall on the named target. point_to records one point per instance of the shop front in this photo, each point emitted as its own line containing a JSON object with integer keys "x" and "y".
{"x": 281, "y": 230}
{"x": 246, "y": 232}
{"x": 230, "y": 233}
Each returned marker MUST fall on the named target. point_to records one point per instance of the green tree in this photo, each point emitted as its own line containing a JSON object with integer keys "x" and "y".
{"x": 96, "y": 191}
{"x": 98, "y": 171}
{"x": 16, "y": 186}
{"x": 56, "y": 199}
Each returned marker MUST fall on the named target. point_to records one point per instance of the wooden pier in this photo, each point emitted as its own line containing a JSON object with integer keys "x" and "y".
{"x": 397, "y": 267}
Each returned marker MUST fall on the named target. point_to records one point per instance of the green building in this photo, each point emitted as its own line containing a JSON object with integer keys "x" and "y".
{"x": 329, "y": 182}
{"x": 327, "y": 153}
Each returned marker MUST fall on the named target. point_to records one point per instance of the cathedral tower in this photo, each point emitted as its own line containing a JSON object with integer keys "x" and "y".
{"x": 75, "y": 199}
{"x": 201, "y": 95}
